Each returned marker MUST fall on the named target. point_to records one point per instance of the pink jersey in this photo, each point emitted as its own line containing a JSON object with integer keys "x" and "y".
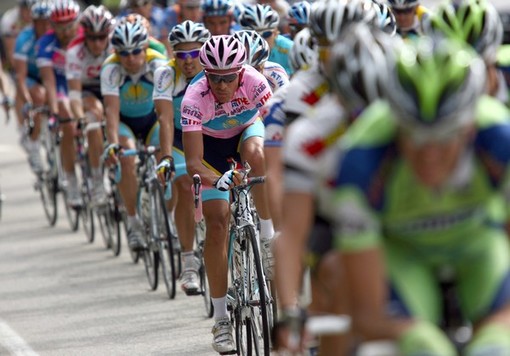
{"x": 200, "y": 110}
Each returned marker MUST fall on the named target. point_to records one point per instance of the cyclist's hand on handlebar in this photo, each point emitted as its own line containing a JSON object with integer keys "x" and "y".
{"x": 228, "y": 180}
{"x": 165, "y": 170}
{"x": 25, "y": 110}
{"x": 110, "y": 154}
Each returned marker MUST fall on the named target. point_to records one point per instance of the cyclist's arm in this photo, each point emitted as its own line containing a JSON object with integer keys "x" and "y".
{"x": 21, "y": 69}
{"x": 50, "y": 83}
{"x": 194, "y": 152}
{"x": 162, "y": 96}
{"x": 112, "y": 110}
{"x": 75, "y": 87}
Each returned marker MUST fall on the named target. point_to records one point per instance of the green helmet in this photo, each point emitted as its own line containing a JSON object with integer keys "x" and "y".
{"x": 435, "y": 84}
{"x": 476, "y": 22}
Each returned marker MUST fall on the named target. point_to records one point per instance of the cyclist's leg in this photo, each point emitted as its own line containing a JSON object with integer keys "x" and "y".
{"x": 185, "y": 223}
{"x": 484, "y": 290}
{"x": 415, "y": 295}
{"x": 128, "y": 188}
{"x": 38, "y": 95}
{"x": 328, "y": 286}
{"x": 252, "y": 150}
{"x": 94, "y": 116}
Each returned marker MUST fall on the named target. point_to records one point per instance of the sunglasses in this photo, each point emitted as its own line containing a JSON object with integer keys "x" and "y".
{"x": 266, "y": 34}
{"x": 187, "y": 54}
{"x": 63, "y": 28}
{"x": 134, "y": 52}
{"x": 96, "y": 37}
{"x": 407, "y": 10}
{"x": 218, "y": 78}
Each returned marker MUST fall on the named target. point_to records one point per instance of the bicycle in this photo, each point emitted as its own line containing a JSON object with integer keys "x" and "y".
{"x": 51, "y": 180}
{"x": 249, "y": 298}
{"x": 151, "y": 208}
{"x": 86, "y": 213}
{"x": 200, "y": 244}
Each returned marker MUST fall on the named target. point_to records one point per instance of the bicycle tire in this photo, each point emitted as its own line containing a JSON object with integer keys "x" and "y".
{"x": 176, "y": 245}
{"x": 149, "y": 253}
{"x": 47, "y": 187}
{"x": 72, "y": 214}
{"x": 255, "y": 323}
{"x": 162, "y": 234}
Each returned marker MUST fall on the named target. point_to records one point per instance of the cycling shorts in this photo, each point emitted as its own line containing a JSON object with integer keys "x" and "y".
{"x": 144, "y": 128}
{"x": 217, "y": 152}
{"x": 482, "y": 278}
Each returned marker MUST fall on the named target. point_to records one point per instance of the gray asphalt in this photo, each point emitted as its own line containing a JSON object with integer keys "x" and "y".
{"x": 64, "y": 296}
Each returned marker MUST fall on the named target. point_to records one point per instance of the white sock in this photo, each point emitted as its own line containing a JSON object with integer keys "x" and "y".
{"x": 96, "y": 172}
{"x": 266, "y": 229}
{"x": 132, "y": 219}
{"x": 188, "y": 259}
{"x": 220, "y": 308}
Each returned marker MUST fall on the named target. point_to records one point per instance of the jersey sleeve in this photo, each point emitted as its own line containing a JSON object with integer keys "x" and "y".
{"x": 44, "y": 52}
{"x": 259, "y": 88}
{"x": 193, "y": 109}
{"x": 22, "y": 47}
{"x": 164, "y": 83}
{"x": 74, "y": 66}
{"x": 8, "y": 25}
{"x": 110, "y": 79}
{"x": 276, "y": 76}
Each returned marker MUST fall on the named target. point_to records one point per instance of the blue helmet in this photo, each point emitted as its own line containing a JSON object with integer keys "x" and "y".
{"x": 299, "y": 13}
{"x": 41, "y": 10}
{"x": 217, "y": 7}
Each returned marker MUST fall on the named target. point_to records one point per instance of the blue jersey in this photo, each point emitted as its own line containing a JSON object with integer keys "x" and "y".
{"x": 25, "y": 50}
{"x": 280, "y": 53}
{"x": 51, "y": 54}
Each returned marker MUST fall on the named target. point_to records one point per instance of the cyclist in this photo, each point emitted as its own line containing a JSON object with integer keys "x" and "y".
{"x": 477, "y": 23}
{"x": 51, "y": 63}
{"x": 153, "y": 42}
{"x": 306, "y": 88}
{"x": 154, "y": 14}
{"x": 264, "y": 20}
{"x": 11, "y": 24}
{"x": 218, "y": 17}
{"x": 30, "y": 90}
{"x": 126, "y": 86}
{"x": 356, "y": 69}
{"x": 438, "y": 201}
{"x": 84, "y": 58}
{"x": 171, "y": 80}
{"x": 181, "y": 11}
{"x": 258, "y": 50}
{"x": 298, "y": 17}
{"x": 409, "y": 15}
{"x": 220, "y": 119}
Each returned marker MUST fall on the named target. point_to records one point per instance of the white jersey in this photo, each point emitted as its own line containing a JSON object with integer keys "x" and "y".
{"x": 276, "y": 75}
{"x": 304, "y": 90}
{"x": 310, "y": 152}
{"x": 82, "y": 65}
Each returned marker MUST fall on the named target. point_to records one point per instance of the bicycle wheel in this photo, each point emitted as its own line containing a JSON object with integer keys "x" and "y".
{"x": 150, "y": 253}
{"x": 72, "y": 213}
{"x": 176, "y": 245}
{"x": 256, "y": 309}
{"x": 47, "y": 187}
{"x": 86, "y": 212}
{"x": 162, "y": 234}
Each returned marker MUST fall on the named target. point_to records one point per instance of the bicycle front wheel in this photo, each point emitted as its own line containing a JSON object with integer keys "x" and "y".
{"x": 256, "y": 316}
{"x": 204, "y": 283}
{"x": 72, "y": 214}
{"x": 47, "y": 187}
{"x": 162, "y": 235}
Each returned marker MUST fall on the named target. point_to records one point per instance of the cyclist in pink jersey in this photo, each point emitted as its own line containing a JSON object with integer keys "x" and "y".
{"x": 220, "y": 119}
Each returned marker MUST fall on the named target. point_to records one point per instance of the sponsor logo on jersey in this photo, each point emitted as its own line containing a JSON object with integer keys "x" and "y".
{"x": 165, "y": 81}
{"x": 192, "y": 111}
{"x": 314, "y": 96}
{"x": 259, "y": 89}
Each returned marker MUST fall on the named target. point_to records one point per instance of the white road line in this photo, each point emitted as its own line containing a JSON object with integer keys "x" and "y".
{"x": 14, "y": 343}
